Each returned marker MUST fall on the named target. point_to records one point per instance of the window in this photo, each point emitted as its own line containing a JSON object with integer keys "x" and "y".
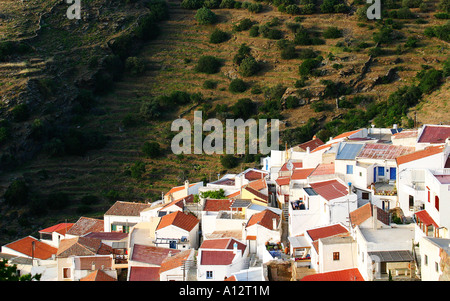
{"x": 335, "y": 256}
{"x": 425, "y": 259}
{"x": 436, "y": 202}
{"x": 436, "y": 266}
{"x": 209, "y": 275}
{"x": 411, "y": 202}
{"x": 66, "y": 273}
{"x": 349, "y": 169}
{"x": 365, "y": 195}
{"x": 381, "y": 171}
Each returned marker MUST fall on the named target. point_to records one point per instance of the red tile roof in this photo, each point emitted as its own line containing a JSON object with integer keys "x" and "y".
{"x": 312, "y": 144}
{"x": 179, "y": 188}
{"x": 258, "y": 194}
{"x": 301, "y": 174}
{"x": 107, "y": 235}
{"x": 434, "y": 134}
{"x": 127, "y": 208}
{"x": 61, "y": 228}
{"x": 151, "y": 254}
{"x": 346, "y": 134}
{"x": 326, "y": 231}
{"x": 294, "y": 164}
{"x": 425, "y": 218}
{"x": 216, "y": 257}
{"x": 323, "y": 169}
{"x": 364, "y": 212}
{"x": 330, "y": 190}
{"x": 85, "y": 225}
{"x": 283, "y": 181}
{"x": 258, "y": 184}
{"x": 175, "y": 261}
{"x": 222, "y": 243}
{"x": 98, "y": 275}
{"x": 384, "y": 151}
{"x": 264, "y": 218}
{"x": 144, "y": 274}
{"x": 217, "y": 205}
{"x": 252, "y": 175}
{"x": 342, "y": 275}
{"x": 324, "y": 146}
{"x": 405, "y": 134}
{"x": 25, "y": 246}
{"x": 179, "y": 219}
{"x": 82, "y": 246}
{"x": 429, "y": 151}
{"x": 101, "y": 262}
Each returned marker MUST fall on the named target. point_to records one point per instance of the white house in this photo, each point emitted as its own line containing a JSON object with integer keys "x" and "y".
{"x": 53, "y": 235}
{"x": 220, "y": 258}
{"x": 183, "y": 191}
{"x": 323, "y": 203}
{"x": 177, "y": 230}
{"x": 434, "y": 253}
{"x": 263, "y": 227}
{"x": 121, "y": 216}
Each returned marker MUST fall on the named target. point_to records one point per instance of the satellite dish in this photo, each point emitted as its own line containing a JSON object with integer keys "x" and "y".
{"x": 289, "y": 165}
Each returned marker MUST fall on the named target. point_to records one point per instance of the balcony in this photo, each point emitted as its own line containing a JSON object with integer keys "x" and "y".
{"x": 382, "y": 188}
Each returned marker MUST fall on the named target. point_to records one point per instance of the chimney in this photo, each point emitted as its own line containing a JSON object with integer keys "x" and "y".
{"x": 349, "y": 188}
{"x": 93, "y": 266}
{"x": 274, "y": 223}
{"x": 307, "y": 150}
{"x": 374, "y": 217}
{"x": 235, "y": 248}
{"x": 186, "y": 186}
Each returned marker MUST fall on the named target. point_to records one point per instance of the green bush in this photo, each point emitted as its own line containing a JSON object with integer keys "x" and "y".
{"x": 288, "y": 53}
{"x": 237, "y": 86}
{"x": 208, "y": 64}
{"x": 308, "y": 66}
{"x": 151, "y": 149}
{"x": 441, "y": 32}
{"x": 249, "y": 66}
{"x": 254, "y": 31}
{"x": 17, "y": 193}
{"x": 292, "y": 102}
{"x": 229, "y": 161}
{"x": 429, "y": 79}
{"x": 209, "y": 84}
{"x": 20, "y": 112}
{"x": 227, "y": 4}
{"x": 332, "y": 33}
{"x": 135, "y": 65}
{"x": 211, "y": 4}
{"x": 205, "y": 16}
{"x": 218, "y": 36}
{"x": 244, "y": 108}
{"x": 137, "y": 170}
{"x": 192, "y": 4}
{"x": 293, "y": 9}
{"x": 244, "y": 24}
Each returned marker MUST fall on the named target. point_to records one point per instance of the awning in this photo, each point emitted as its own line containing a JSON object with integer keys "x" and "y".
{"x": 299, "y": 242}
{"x": 393, "y": 256}
{"x": 425, "y": 218}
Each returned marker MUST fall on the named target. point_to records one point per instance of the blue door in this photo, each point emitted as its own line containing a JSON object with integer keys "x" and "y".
{"x": 374, "y": 174}
{"x": 393, "y": 173}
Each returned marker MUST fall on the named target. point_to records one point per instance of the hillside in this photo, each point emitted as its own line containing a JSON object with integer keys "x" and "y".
{"x": 83, "y": 128}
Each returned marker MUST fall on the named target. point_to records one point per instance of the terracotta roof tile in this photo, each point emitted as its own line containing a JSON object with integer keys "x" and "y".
{"x": 312, "y": 144}
{"x": 82, "y": 246}
{"x": 98, "y": 275}
{"x": 127, "y": 208}
{"x": 85, "y": 225}
{"x": 342, "y": 275}
{"x": 257, "y": 194}
{"x": 364, "y": 212}
{"x": 258, "y": 184}
{"x": 175, "y": 261}
{"x": 222, "y": 243}
{"x": 216, "y": 257}
{"x": 330, "y": 190}
{"x": 283, "y": 180}
{"x": 326, "y": 231}
{"x": 151, "y": 254}
{"x": 25, "y": 246}
{"x": 107, "y": 235}
{"x": 100, "y": 262}
{"x": 217, "y": 205}
{"x": 252, "y": 175}
{"x": 144, "y": 274}
{"x": 264, "y": 218}
{"x": 346, "y": 134}
{"x": 301, "y": 174}
{"x": 179, "y": 219}
{"x": 323, "y": 169}
{"x": 61, "y": 228}
{"x": 434, "y": 134}
{"x": 429, "y": 151}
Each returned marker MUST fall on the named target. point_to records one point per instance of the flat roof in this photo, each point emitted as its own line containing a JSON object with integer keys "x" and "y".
{"x": 393, "y": 256}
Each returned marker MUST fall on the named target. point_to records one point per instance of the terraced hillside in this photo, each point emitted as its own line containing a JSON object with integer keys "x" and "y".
{"x": 67, "y": 54}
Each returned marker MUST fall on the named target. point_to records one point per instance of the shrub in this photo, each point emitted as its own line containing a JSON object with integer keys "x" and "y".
{"x": 208, "y": 64}
{"x": 229, "y": 161}
{"x": 205, "y": 16}
{"x": 308, "y": 66}
{"x": 429, "y": 79}
{"x": 254, "y": 31}
{"x": 249, "y": 66}
{"x": 293, "y": 9}
{"x": 244, "y": 108}
{"x": 147, "y": 29}
{"x": 17, "y": 193}
{"x": 137, "y": 170}
{"x": 444, "y": 5}
{"x": 135, "y": 65}
{"x": 218, "y": 36}
{"x": 151, "y": 149}
{"x": 288, "y": 53}
{"x": 441, "y": 32}
{"x": 237, "y": 86}
{"x": 320, "y": 106}
{"x": 20, "y": 112}
{"x": 244, "y": 24}
{"x": 308, "y": 9}
{"x": 254, "y": 7}
{"x": 442, "y": 16}
{"x": 292, "y": 102}
{"x": 211, "y": 4}
{"x": 227, "y": 4}
{"x": 209, "y": 84}
{"x": 192, "y": 4}
{"x": 332, "y": 33}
